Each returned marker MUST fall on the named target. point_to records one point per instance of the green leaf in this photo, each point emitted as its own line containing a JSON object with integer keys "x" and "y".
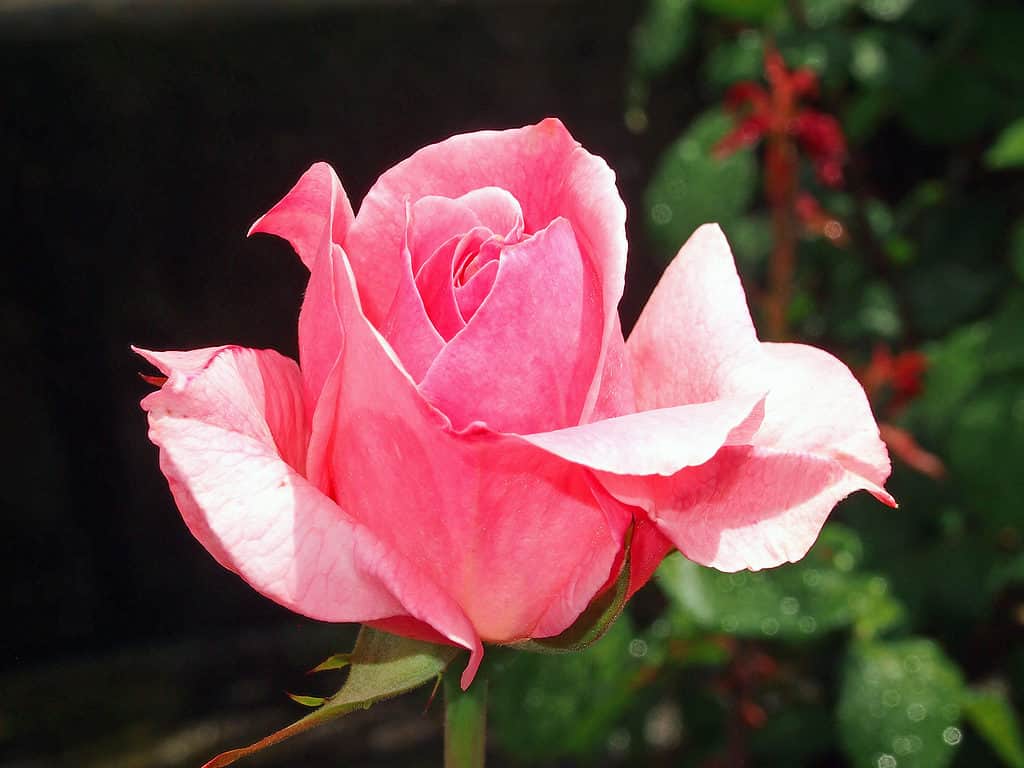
{"x": 382, "y": 666}
{"x": 820, "y": 13}
{"x": 735, "y": 60}
{"x": 955, "y": 104}
{"x": 742, "y": 10}
{"x": 984, "y": 451}
{"x": 794, "y": 602}
{"x": 884, "y": 58}
{"x": 1008, "y": 149}
{"x": 662, "y": 35}
{"x": 691, "y": 186}
{"x": 992, "y": 715}
{"x": 544, "y": 706}
{"x": 886, "y": 10}
{"x": 899, "y": 705}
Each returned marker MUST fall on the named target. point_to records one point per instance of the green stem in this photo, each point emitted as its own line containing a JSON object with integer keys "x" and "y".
{"x": 465, "y": 723}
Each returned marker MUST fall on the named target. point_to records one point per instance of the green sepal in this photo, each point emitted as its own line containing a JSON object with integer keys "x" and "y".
{"x": 594, "y": 622}
{"x": 306, "y": 701}
{"x": 382, "y": 666}
{"x": 337, "y": 661}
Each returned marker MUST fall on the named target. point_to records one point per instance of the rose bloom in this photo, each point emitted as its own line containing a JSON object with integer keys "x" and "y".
{"x": 468, "y": 451}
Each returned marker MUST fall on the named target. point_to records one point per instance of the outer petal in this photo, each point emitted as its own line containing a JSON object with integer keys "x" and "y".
{"x": 694, "y": 340}
{"x": 616, "y": 396}
{"x": 526, "y": 360}
{"x": 312, "y": 216}
{"x": 746, "y": 508}
{"x": 511, "y": 532}
{"x": 220, "y": 422}
{"x": 758, "y": 504}
{"x": 657, "y": 442}
{"x": 316, "y": 205}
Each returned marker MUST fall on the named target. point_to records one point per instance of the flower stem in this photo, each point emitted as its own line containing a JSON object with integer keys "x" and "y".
{"x": 465, "y": 723}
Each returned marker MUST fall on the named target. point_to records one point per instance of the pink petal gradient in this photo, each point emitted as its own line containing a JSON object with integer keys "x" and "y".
{"x": 316, "y": 209}
{"x": 471, "y": 295}
{"x": 763, "y": 503}
{"x": 312, "y": 216}
{"x": 541, "y": 166}
{"x": 497, "y": 210}
{"x": 525, "y": 362}
{"x": 511, "y": 532}
{"x": 431, "y": 222}
{"x": 230, "y": 425}
{"x": 661, "y": 441}
{"x": 435, "y": 280}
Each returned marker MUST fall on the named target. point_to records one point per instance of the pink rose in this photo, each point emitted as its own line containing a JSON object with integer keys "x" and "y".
{"x": 467, "y": 441}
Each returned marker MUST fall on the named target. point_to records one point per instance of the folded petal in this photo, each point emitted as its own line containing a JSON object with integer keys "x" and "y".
{"x": 748, "y": 507}
{"x": 816, "y": 406}
{"x": 433, "y": 221}
{"x": 657, "y": 442}
{"x": 540, "y": 165}
{"x": 761, "y": 500}
{"x": 220, "y": 422}
{"x": 694, "y": 339}
{"x": 471, "y": 295}
{"x": 313, "y": 216}
{"x": 497, "y": 209}
{"x": 316, "y": 211}
{"x": 616, "y": 396}
{"x": 511, "y": 532}
{"x": 526, "y": 360}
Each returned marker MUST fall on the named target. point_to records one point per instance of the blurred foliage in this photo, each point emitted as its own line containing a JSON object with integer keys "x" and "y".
{"x": 897, "y": 641}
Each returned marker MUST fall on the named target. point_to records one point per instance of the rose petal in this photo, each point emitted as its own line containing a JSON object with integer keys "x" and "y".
{"x": 312, "y": 216}
{"x": 695, "y": 336}
{"x": 616, "y": 396}
{"x": 470, "y": 296}
{"x": 497, "y": 209}
{"x": 540, "y": 165}
{"x": 648, "y": 549}
{"x": 749, "y": 507}
{"x": 526, "y": 361}
{"x": 657, "y": 442}
{"x": 511, "y": 532}
{"x": 762, "y": 504}
{"x": 220, "y": 428}
{"x": 316, "y": 208}
{"x": 433, "y": 221}
{"x": 435, "y": 281}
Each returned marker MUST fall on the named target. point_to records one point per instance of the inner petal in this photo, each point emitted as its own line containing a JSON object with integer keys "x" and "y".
{"x": 436, "y": 280}
{"x": 471, "y": 295}
{"x": 433, "y": 221}
{"x": 497, "y": 209}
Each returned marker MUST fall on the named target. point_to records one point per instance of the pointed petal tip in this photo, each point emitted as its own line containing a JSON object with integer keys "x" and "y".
{"x": 886, "y": 498}
{"x": 476, "y": 655}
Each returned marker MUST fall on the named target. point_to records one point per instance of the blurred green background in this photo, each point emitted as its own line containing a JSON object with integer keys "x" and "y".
{"x": 141, "y": 139}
